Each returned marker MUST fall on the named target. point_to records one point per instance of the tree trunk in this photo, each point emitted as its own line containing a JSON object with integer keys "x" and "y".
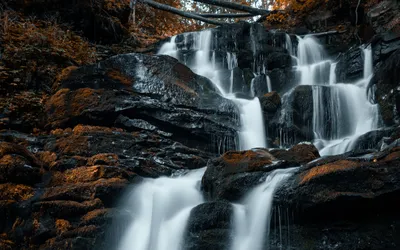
{"x": 227, "y": 15}
{"x": 234, "y": 6}
{"x": 327, "y": 33}
{"x": 168, "y": 8}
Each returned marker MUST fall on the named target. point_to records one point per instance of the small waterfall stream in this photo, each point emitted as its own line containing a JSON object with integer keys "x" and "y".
{"x": 341, "y": 111}
{"x": 160, "y": 209}
{"x": 252, "y": 217}
{"x": 252, "y": 132}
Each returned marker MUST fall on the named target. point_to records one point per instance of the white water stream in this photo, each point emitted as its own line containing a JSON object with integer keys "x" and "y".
{"x": 252, "y": 217}
{"x": 252, "y": 131}
{"x": 160, "y": 209}
{"x": 341, "y": 111}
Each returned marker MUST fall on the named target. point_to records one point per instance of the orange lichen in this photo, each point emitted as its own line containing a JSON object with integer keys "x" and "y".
{"x": 251, "y": 160}
{"x": 47, "y": 157}
{"x": 63, "y": 75}
{"x": 62, "y": 226}
{"x": 81, "y": 129}
{"x": 394, "y": 155}
{"x": 94, "y": 214}
{"x": 16, "y": 192}
{"x": 327, "y": 169}
{"x": 73, "y": 145}
{"x": 120, "y": 77}
{"x": 66, "y": 103}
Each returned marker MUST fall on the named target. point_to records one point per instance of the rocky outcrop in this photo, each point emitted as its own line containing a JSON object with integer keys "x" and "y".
{"x": 292, "y": 122}
{"x": 386, "y": 81}
{"x": 234, "y": 173}
{"x": 209, "y": 226}
{"x": 67, "y": 184}
{"x": 155, "y": 93}
{"x": 332, "y": 197}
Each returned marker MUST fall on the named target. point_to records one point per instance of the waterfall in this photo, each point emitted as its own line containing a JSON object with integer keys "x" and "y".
{"x": 252, "y": 133}
{"x": 160, "y": 209}
{"x": 341, "y": 112}
{"x": 253, "y": 216}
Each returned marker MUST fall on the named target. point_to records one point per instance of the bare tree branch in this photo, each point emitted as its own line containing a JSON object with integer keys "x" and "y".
{"x": 168, "y": 8}
{"x": 235, "y": 6}
{"x": 227, "y": 15}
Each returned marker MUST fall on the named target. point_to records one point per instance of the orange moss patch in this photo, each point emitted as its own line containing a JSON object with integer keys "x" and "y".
{"x": 88, "y": 174}
{"x": 394, "y": 154}
{"x": 66, "y": 103}
{"x": 63, "y": 75}
{"x": 327, "y": 169}
{"x": 60, "y": 131}
{"x": 62, "y": 226}
{"x": 80, "y": 129}
{"x": 92, "y": 215}
{"x": 73, "y": 145}
{"x": 250, "y": 160}
{"x": 15, "y": 149}
{"x": 5, "y": 243}
{"x": 16, "y": 192}
{"x": 47, "y": 157}
{"x": 120, "y": 77}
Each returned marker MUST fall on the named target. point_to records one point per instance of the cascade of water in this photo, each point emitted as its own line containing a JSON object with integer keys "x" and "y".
{"x": 160, "y": 209}
{"x": 341, "y": 112}
{"x": 289, "y": 46}
{"x": 309, "y": 51}
{"x": 253, "y": 216}
{"x": 368, "y": 62}
{"x": 269, "y": 83}
{"x": 252, "y": 132}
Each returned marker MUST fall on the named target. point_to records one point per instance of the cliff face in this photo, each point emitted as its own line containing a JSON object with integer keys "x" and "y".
{"x": 78, "y": 124}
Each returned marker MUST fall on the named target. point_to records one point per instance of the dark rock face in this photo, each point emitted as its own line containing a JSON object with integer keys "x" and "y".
{"x": 209, "y": 226}
{"x": 234, "y": 173}
{"x": 339, "y": 193}
{"x": 256, "y": 50}
{"x": 386, "y": 81}
{"x": 292, "y": 123}
{"x": 350, "y": 66}
{"x": 136, "y": 91}
{"x": 59, "y": 191}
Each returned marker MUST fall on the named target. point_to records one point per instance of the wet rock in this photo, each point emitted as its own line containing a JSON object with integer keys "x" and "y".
{"x": 65, "y": 208}
{"x": 297, "y": 155}
{"x": 234, "y": 173}
{"x": 278, "y": 60}
{"x": 270, "y": 102}
{"x": 283, "y": 80}
{"x": 209, "y": 226}
{"x": 17, "y": 169}
{"x": 153, "y": 92}
{"x": 350, "y": 66}
{"x": 346, "y": 189}
{"x": 292, "y": 123}
{"x": 386, "y": 82}
{"x": 260, "y": 85}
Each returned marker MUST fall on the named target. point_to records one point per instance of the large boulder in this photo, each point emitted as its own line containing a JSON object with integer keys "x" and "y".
{"x": 209, "y": 226}
{"x": 350, "y": 66}
{"x": 386, "y": 81}
{"x": 343, "y": 199}
{"x": 234, "y": 173}
{"x": 155, "y": 93}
